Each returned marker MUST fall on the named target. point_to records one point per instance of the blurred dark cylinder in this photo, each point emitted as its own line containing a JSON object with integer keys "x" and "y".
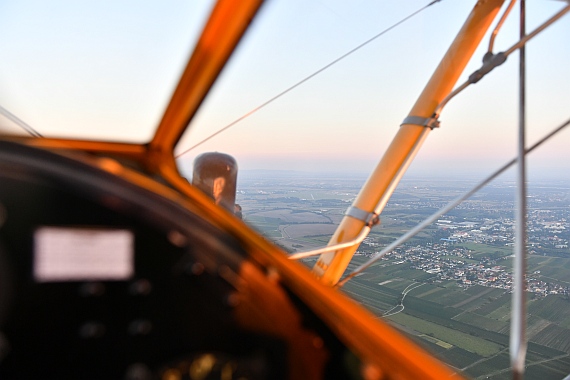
{"x": 216, "y": 175}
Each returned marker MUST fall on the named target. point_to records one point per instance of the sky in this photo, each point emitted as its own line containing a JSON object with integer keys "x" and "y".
{"x": 94, "y": 70}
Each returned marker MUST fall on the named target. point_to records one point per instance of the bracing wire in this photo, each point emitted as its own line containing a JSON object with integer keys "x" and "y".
{"x": 524, "y": 38}
{"x": 499, "y": 26}
{"x": 498, "y": 59}
{"x": 314, "y": 74}
{"x": 414, "y": 231}
{"x": 29, "y": 129}
{"x": 517, "y": 338}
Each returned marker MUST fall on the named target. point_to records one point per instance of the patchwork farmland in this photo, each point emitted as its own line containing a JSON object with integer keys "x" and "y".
{"x": 455, "y": 274}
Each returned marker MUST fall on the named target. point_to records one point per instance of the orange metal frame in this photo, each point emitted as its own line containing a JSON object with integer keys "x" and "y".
{"x": 383, "y": 349}
{"x": 227, "y": 24}
{"x": 225, "y": 27}
{"x": 384, "y": 179}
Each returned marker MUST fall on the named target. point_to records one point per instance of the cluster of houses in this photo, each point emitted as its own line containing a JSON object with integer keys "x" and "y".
{"x": 445, "y": 262}
{"x": 542, "y": 232}
{"x": 447, "y": 259}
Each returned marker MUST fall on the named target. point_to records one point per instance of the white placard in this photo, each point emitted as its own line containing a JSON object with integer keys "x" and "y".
{"x": 82, "y": 254}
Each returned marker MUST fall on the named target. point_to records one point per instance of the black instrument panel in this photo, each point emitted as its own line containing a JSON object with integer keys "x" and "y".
{"x": 165, "y": 314}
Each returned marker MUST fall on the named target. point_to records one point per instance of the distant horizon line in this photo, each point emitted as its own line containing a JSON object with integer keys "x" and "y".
{"x": 356, "y": 174}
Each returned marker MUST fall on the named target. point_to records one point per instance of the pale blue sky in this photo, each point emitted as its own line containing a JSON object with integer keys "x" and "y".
{"x": 102, "y": 69}
{"x": 108, "y": 68}
{"x": 345, "y": 117}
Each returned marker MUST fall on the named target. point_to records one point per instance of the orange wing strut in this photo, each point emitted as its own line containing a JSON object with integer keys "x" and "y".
{"x": 387, "y": 174}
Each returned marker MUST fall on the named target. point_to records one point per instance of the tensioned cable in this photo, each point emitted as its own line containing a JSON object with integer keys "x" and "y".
{"x": 473, "y": 78}
{"x": 447, "y": 208}
{"x": 329, "y": 248}
{"x": 490, "y": 61}
{"x": 517, "y": 336}
{"x": 499, "y": 26}
{"x": 20, "y": 123}
{"x": 307, "y": 78}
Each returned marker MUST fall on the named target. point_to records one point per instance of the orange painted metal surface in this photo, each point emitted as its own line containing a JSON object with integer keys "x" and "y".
{"x": 384, "y": 352}
{"x": 380, "y": 347}
{"x": 382, "y": 182}
{"x": 133, "y": 151}
{"x": 224, "y": 29}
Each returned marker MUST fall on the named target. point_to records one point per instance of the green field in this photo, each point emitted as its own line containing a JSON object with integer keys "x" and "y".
{"x": 485, "y": 250}
{"x": 467, "y": 342}
{"x": 466, "y": 326}
{"x": 553, "y": 308}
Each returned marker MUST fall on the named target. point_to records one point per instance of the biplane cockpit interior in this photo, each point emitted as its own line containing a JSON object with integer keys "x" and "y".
{"x": 113, "y": 266}
{"x": 101, "y": 279}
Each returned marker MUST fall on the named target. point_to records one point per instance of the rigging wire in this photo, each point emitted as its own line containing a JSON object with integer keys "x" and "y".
{"x": 329, "y": 248}
{"x": 499, "y": 25}
{"x": 20, "y": 123}
{"x": 490, "y": 61}
{"x": 411, "y": 233}
{"x": 289, "y": 89}
{"x": 517, "y": 341}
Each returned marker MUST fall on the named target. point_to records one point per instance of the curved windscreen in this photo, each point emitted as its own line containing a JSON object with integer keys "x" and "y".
{"x": 102, "y": 71}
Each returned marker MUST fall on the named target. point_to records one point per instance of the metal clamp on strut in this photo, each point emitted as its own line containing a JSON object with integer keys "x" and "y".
{"x": 370, "y": 218}
{"x": 430, "y": 122}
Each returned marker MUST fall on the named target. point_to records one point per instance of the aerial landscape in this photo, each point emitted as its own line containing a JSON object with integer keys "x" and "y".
{"x": 449, "y": 287}
{"x": 307, "y": 97}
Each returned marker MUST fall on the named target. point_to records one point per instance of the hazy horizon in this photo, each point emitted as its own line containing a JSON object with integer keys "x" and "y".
{"x": 111, "y": 77}
{"x": 418, "y": 170}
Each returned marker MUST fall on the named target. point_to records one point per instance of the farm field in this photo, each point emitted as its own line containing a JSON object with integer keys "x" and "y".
{"x": 455, "y": 314}
{"x": 472, "y": 323}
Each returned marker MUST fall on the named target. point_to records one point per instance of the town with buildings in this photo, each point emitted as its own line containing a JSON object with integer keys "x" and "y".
{"x": 449, "y": 259}
{"x": 434, "y": 259}
{"x": 472, "y": 245}
{"x": 449, "y": 287}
